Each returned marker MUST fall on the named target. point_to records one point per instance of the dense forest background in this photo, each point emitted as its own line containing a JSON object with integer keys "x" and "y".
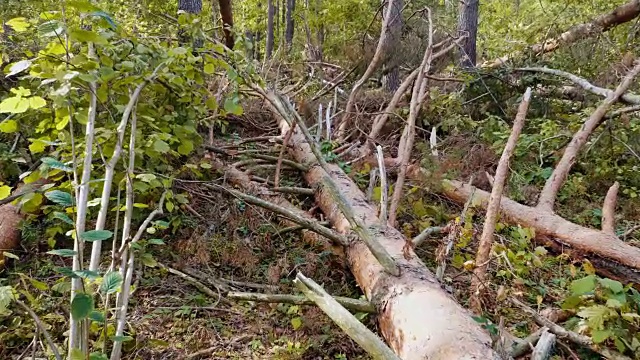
{"x": 319, "y": 179}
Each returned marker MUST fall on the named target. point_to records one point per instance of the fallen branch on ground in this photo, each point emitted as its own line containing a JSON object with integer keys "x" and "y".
{"x": 567, "y": 334}
{"x": 551, "y": 188}
{"x": 349, "y": 303}
{"x": 369, "y": 341}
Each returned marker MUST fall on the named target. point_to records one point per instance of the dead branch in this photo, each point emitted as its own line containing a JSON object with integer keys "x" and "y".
{"x": 349, "y": 303}
{"x": 376, "y": 61}
{"x": 454, "y": 229}
{"x": 583, "y": 83}
{"x": 556, "y": 180}
{"x": 609, "y": 209}
{"x": 567, "y": 334}
{"x": 486, "y": 239}
{"x": 424, "y": 235}
{"x": 41, "y": 327}
{"x": 600, "y": 24}
{"x": 611, "y": 256}
{"x": 294, "y": 190}
{"x": 289, "y": 214}
{"x": 197, "y": 284}
{"x": 369, "y": 341}
{"x": 275, "y": 159}
{"x": 408, "y": 135}
{"x": 285, "y": 143}
{"x": 544, "y": 347}
{"x": 521, "y": 347}
{"x": 384, "y": 190}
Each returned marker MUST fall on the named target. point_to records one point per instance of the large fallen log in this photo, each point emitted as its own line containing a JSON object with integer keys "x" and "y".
{"x": 611, "y": 256}
{"x": 620, "y": 15}
{"x": 416, "y": 316}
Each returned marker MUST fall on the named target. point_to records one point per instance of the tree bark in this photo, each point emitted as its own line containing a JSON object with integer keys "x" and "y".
{"x": 190, "y": 6}
{"x": 270, "y": 30}
{"x": 620, "y": 15}
{"x": 291, "y": 6}
{"x": 416, "y": 316}
{"x": 391, "y": 77}
{"x": 227, "y": 22}
{"x": 468, "y": 27}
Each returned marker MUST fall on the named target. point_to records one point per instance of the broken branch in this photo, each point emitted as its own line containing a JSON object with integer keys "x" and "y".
{"x": 369, "y": 341}
{"x": 349, "y": 303}
{"x": 486, "y": 239}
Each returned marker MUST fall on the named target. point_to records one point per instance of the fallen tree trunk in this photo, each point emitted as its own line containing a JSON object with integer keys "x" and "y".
{"x": 620, "y": 15}
{"x": 416, "y": 316}
{"x": 611, "y": 256}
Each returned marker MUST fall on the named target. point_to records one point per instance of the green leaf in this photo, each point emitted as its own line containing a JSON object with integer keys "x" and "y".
{"x": 178, "y": 51}
{"x": 19, "y": 67}
{"x": 595, "y": 316}
{"x": 5, "y": 191}
{"x": 51, "y": 28}
{"x": 18, "y": 24}
{"x": 87, "y": 274}
{"x": 53, "y": 163}
{"x": 296, "y": 322}
{"x": 97, "y": 316}
{"x": 599, "y": 336}
{"x": 98, "y": 356}
{"x": 232, "y": 107}
{"x": 63, "y": 252}
{"x": 185, "y": 147}
{"x": 62, "y": 287}
{"x": 14, "y": 105}
{"x": 582, "y": 286}
{"x": 87, "y": 36}
{"x": 36, "y": 102}
{"x": 81, "y": 306}
{"x": 156, "y": 241}
{"x": 148, "y": 260}
{"x": 161, "y": 146}
{"x": 60, "y": 197}
{"x": 76, "y": 354}
{"x": 613, "y": 285}
{"x": 62, "y": 216}
{"x": 7, "y": 294}
{"x": 209, "y": 69}
{"x": 96, "y": 235}
{"x": 169, "y": 205}
{"x": 146, "y": 177}
{"x": 120, "y": 338}
{"x": 66, "y": 272}
{"x": 9, "y": 126}
{"x": 111, "y": 282}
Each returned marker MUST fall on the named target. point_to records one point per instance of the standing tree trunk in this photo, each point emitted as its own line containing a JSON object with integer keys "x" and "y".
{"x": 291, "y": 6}
{"x": 191, "y": 7}
{"x": 468, "y": 27}
{"x": 270, "y": 31}
{"x": 284, "y": 17}
{"x": 227, "y": 22}
{"x": 391, "y": 71}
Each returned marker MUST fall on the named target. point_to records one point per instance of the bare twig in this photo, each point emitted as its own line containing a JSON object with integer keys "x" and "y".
{"x": 408, "y": 135}
{"x": 370, "y": 342}
{"x": 556, "y": 180}
{"x": 41, "y": 328}
{"x": 373, "y": 65}
{"x": 349, "y": 303}
{"x": 486, "y": 240}
{"x": 583, "y": 83}
{"x": 384, "y": 190}
{"x": 285, "y": 143}
{"x": 521, "y": 347}
{"x": 424, "y": 235}
{"x": 609, "y": 209}
{"x": 307, "y": 223}
{"x": 294, "y": 190}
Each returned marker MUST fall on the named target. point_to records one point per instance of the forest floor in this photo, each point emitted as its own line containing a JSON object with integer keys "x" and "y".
{"x": 231, "y": 241}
